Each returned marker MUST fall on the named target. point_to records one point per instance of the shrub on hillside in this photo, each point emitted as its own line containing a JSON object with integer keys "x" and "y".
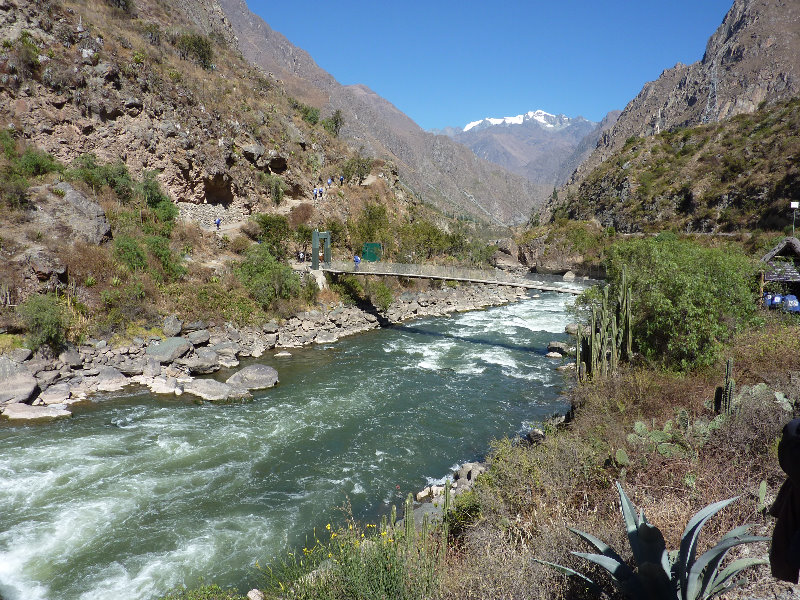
{"x": 266, "y": 279}
{"x": 198, "y": 47}
{"x": 128, "y": 251}
{"x": 356, "y": 169}
{"x": 275, "y": 232}
{"x": 44, "y": 319}
{"x": 150, "y": 189}
{"x": 115, "y": 175}
{"x": 686, "y": 298}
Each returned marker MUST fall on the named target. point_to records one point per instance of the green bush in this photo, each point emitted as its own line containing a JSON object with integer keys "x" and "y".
{"x": 372, "y": 225}
{"x": 275, "y": 185}
{"x": 308, "y": 113}
{"x": 128, "y": 251}
{"x": 381, "y": 296}
{"x": 24, "y": 59}
{"x": 150, "y": 189}
{"x": 349, "y": 289}
{"x": 44, "y": 319}
{"x": 356, "y": 169}
{"x": 686, "y": 298}
{"x": 7, "y": 143}
{"x": 170, "y": 264}
{"x": 33, "y": 163}
{"x": 197, "y": 47}
{"x": 275, "y": 232}
{"x": 266, "y": 279}
{"x": 115, "y": 175}
{"x": 334, "y": 123}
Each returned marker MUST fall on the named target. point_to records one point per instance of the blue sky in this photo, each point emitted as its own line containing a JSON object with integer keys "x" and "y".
{"x": 451, "y": 62}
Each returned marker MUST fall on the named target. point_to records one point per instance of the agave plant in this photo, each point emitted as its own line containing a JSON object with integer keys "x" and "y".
{"x": 663, "y": 575}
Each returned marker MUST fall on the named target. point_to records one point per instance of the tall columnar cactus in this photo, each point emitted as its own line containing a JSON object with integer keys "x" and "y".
{"x": 610, "y": 334}
{"x": 730, "y": 387}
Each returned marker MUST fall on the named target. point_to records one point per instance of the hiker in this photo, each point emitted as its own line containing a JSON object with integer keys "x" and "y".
{"x": 301, "y": 257}
{"x": 357, "y": 261}
{"x": 217, "y": 222}
{"x": 784, "y": 553}
{"x": 341, "y": 180}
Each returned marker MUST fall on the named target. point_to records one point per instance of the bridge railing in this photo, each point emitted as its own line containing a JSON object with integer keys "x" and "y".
{"x": 418, "y": 270}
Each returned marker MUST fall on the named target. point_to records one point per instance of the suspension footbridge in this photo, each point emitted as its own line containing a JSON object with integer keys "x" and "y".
{"x": 443, "y": 273}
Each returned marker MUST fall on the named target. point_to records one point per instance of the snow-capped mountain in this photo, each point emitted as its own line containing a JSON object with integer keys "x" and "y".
{"x": 545, "y": 119}
{"x": 543, "y": 147}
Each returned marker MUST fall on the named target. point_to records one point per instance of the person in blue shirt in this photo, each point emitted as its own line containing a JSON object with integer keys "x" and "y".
{"x": 217, "y": 221}
{"x": 357, "y": 261}
{"x": 341, "y": 180}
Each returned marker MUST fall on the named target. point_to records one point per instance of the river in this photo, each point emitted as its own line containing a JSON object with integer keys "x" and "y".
{"x": 137, "y": 494}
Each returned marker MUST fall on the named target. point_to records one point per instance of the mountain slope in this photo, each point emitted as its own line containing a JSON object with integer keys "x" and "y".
{"x": 753, "y": 57}
{"x": 437, "y": 169}
{"x": 740, "y": 173}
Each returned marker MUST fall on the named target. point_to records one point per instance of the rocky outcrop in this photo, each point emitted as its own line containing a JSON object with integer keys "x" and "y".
{"x": 16, "y": 382}
{"x": 753, "y": 57}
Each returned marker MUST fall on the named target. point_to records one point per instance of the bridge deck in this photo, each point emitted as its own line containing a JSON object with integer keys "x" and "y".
{"x": 443, "y": 274}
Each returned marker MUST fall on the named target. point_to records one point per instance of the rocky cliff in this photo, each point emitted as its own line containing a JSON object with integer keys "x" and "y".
{"x": 753, "y": 57}
{"x": 438, "y": 170}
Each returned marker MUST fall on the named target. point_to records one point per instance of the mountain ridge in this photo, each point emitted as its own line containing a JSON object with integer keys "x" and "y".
{"x": 437, "y": 169}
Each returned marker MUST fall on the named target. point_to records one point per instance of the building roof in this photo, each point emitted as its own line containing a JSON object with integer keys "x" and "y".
{"x": 783, "y": 260}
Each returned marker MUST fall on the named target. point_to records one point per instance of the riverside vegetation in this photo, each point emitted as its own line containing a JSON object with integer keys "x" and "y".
{"x": 651, "y": 425}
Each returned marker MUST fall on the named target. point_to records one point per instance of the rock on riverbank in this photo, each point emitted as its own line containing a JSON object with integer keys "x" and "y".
{"x": 42, "y": 386}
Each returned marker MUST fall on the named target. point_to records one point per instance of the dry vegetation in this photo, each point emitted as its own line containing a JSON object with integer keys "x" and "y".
{"x": 522, "y": 507}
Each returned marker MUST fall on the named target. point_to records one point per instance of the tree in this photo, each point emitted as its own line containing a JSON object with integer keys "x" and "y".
{"x": 356, "y": 169}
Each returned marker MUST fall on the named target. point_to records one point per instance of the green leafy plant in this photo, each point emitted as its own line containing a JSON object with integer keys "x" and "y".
{"x": 44, "y": 320}
{"x": 265, "y": 278}
{"x": 662, "y": 575}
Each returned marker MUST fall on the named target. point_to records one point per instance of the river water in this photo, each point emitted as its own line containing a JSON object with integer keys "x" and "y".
{"x": 137, "y": 494}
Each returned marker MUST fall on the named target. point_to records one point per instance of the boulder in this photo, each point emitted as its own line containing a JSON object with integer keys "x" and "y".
{"x": 231, "y": 349}
{"x": 203, "y": 362}
{"x": 559, "y": 347}
{"x": 17, "y": 384}
{"x": 70, "y": 210}
{"x": 72, "y": 358}
{"x": 25, "y": 412}
{"x": 554, "y": 355}
{"x": 166, "y": 351}
{"x": 172, "y": 326}
{"x": 199, "y": 337}
{"x": 134, "y": 366}
{"x": 271, "y": 327}
{"x": 19, "y": 355}
{"x": 55, "y": 394}
{"x": 110, "y": 379}
{"x": 325, "y": 337}
{"x": 568, "y": 276}
{"x": 254, "y": 377}
{"x": 215, "y": 391}
{"x": 283, "y": 354}
{"x": 194, "y": 326}
{"x": 534, "y": 436}
{"x": 151, "y": 367}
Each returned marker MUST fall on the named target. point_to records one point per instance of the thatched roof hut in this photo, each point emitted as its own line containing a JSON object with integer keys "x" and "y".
{"x": 782, "y": 263}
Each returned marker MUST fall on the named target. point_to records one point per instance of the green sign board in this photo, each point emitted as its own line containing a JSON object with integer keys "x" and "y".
{"x": 372, "y": 251}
